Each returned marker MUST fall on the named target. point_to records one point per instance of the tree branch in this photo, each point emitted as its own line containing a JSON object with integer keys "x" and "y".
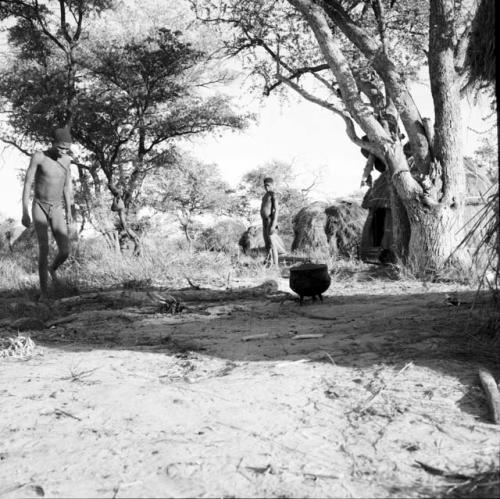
{"x": 62, "y": 16}
{"x": 308, "y": 96}
{"x": 45, "y": 30}
{"x": 297, "y": 74}
{"x": 395, "y": 83}
{"x": 350, "y": 130}
{"x": 16, "y": 145}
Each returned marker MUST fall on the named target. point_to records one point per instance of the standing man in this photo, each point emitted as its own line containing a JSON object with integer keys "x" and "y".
{"x": 269, "y": 214}
{"x": 50, "y": 171}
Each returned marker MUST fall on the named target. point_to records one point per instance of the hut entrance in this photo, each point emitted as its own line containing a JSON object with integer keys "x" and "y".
{"x": 377, "y": 231}
{"x": 378, "y": 226}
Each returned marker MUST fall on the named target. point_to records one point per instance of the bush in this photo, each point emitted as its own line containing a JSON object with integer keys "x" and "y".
{"x": 223, "y": 236}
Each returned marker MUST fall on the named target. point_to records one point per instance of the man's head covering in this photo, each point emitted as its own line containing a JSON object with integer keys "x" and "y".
{"x": 62, "y": 137}
{"x": 268, "y": 180}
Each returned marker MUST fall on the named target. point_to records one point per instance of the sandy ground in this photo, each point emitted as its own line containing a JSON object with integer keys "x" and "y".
{"x": 243, "y": 394}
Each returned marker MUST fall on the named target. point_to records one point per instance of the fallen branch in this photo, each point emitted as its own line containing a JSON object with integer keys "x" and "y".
{"x": 492, "y": 395}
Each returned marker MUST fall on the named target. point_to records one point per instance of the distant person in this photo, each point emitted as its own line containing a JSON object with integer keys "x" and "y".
{"x": 269, "y": 214}
{"x": 50, "y": 171}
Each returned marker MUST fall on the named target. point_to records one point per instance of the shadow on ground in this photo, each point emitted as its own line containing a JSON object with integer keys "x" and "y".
{"x": 258, "y": 324}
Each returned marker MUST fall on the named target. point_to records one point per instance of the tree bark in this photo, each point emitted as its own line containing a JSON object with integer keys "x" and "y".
{"x": 401, "y": 229}
{"x": 433, "y": 237}
{"x": 445, "y": 87}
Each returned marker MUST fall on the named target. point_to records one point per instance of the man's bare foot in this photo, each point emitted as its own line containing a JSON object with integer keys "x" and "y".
{"x": 43, "y": 298}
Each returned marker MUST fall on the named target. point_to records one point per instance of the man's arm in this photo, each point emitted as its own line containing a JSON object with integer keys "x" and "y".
{"x": 67, "y": 196}
{"x": 28, "y": 182}
{"x": 274, "y": 213}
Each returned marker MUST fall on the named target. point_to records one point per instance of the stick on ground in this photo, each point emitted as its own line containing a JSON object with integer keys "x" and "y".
{"x": 493, "y": 396}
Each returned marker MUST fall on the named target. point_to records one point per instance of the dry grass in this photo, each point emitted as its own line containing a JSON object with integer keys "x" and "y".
{"x": 20, "y": 347}
{"x": 485, "y": 484}
{"x": 94, "y": 265}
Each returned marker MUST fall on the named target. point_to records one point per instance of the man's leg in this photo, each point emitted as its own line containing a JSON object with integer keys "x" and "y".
{"x": 273, "y": 250}
{"x": 60, "y": 231}
{"x": 41, "y": 229}
{"x": 265, "y": 234}
{"x": 267, "y": 240}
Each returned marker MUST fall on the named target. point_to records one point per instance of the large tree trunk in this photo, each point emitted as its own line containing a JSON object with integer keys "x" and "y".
{"x": 426, "y": 232}
{"x": 435, "y": 235}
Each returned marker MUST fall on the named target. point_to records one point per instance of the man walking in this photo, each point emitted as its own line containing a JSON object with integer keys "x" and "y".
{"x": 51, "y": 175}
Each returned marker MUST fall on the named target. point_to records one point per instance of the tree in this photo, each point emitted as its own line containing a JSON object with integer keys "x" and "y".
{"x": 47, "y": 37}
{"x": 362, "y": 55}
{"x": 189, "y": 188}
{"x": 128, "y": 102}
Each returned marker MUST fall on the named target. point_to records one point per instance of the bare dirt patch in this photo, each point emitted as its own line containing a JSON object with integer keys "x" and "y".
{"x": 244, "y": 393}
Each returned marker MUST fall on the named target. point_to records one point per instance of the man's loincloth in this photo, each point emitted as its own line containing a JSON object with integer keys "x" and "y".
{"x": 47, "y": 208}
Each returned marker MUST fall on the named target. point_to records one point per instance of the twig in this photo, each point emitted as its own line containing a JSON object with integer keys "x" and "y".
{"x": 307, "y": 336}
{"x": 194, "y": 286}
{"x": 255, "y": 337}
{"x": 77, "y": 376}
{"x": 371, "y": 399}
{"x": 436, "y": 471}
{"x": 331, "y": 359}
{"x": 60, "y": 412}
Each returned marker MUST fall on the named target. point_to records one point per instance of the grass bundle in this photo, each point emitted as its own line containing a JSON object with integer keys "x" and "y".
{"x": 344, "y": 226}
{"x": 480, "y": 60}
{"x": 309, "y": 228}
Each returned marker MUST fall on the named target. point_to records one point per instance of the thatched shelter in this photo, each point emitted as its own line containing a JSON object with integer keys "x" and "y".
{"x": 334, "y": 228}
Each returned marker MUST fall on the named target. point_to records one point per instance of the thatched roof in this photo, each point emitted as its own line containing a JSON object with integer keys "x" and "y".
{"x": 480, "y": 60}
{"x": 379, "y": 194}
{"x": 309, "y": 228}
